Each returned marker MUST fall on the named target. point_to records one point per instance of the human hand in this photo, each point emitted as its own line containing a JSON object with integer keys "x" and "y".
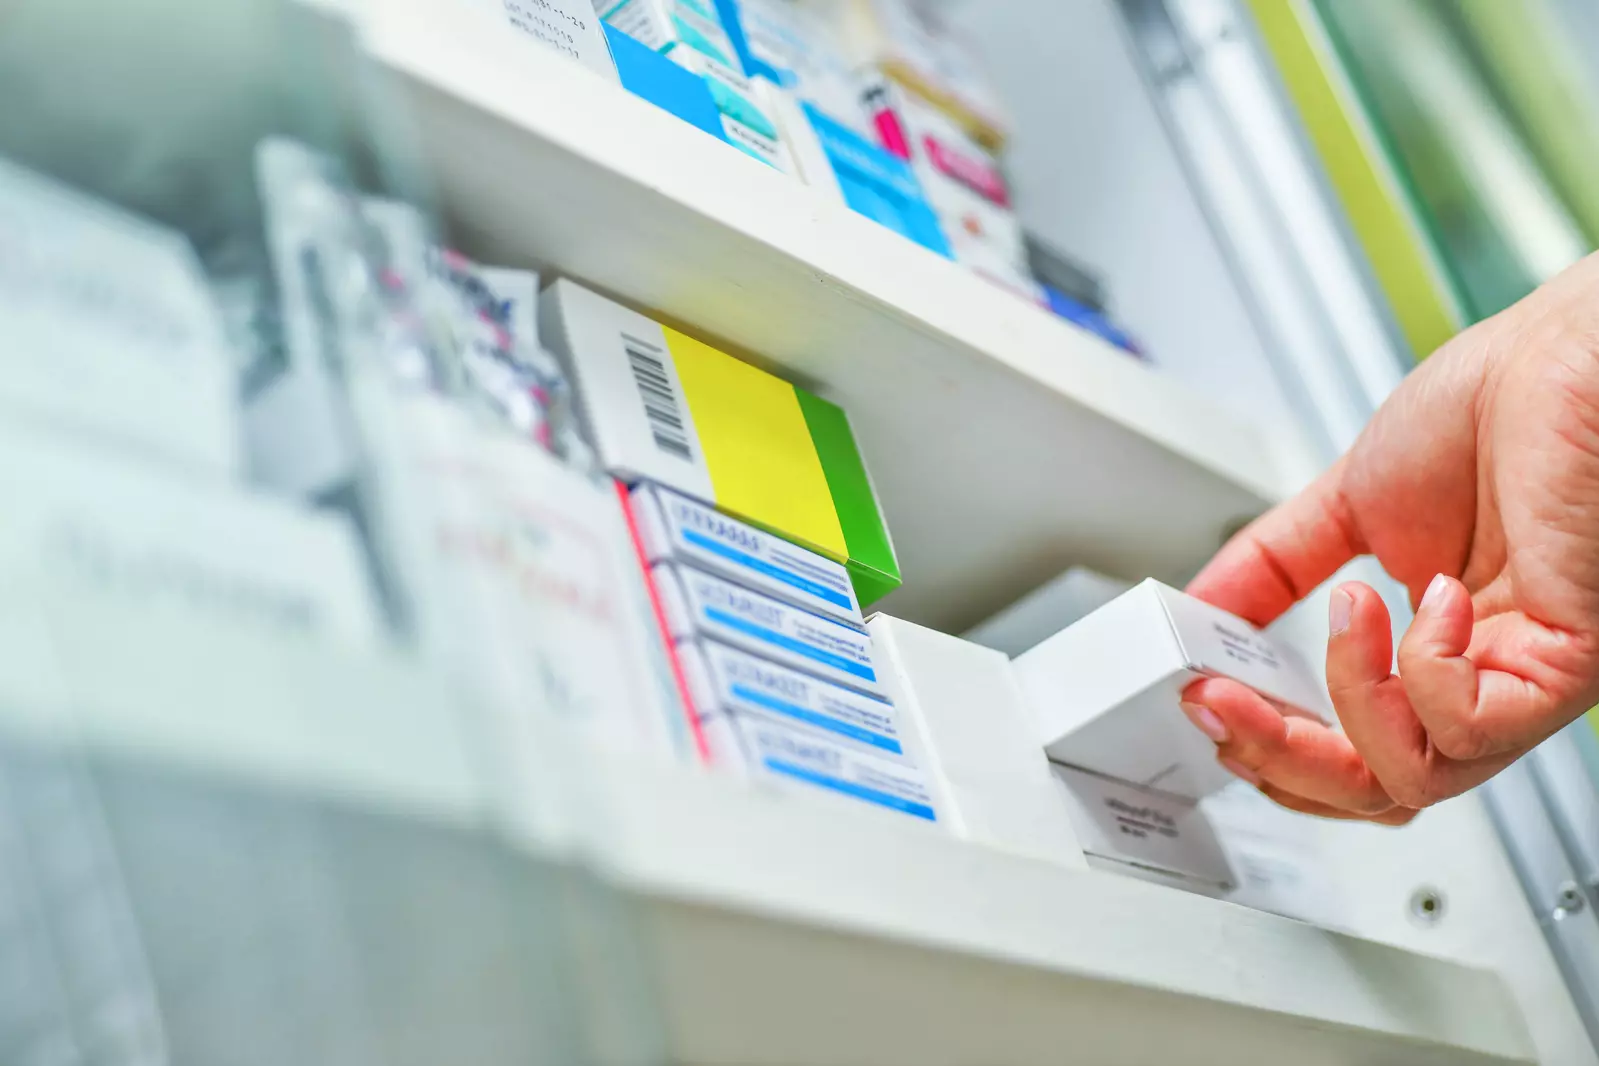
{"x": 1476, "y": 486}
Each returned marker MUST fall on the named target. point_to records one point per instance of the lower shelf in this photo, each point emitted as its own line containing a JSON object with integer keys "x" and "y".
{"x": 788, "y": 930}
{"x": 781, "y": 928}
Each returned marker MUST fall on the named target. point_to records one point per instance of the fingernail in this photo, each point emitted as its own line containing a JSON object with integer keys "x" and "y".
{"x": 1339, "y": 608}
{"x": 1434, "y": 593}
{"x": 1239, "y": 770}
{"x": 1207, "y": 720}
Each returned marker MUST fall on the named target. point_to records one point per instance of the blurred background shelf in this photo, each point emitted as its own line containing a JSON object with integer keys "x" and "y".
{"x": 1005, "y": 443}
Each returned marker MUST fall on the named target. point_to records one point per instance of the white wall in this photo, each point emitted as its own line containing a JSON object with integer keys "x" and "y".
{"x": 1096, "y": 175}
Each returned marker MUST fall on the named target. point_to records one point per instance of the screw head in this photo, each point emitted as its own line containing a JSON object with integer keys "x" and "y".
{"x": 1569, "y": 901}
{"x": 1426, "y": 906}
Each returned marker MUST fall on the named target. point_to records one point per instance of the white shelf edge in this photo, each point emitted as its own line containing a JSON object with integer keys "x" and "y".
{"x": 864, "y": 260}
{"x": 704, "y": 849}
{"x": 795, "y": 904}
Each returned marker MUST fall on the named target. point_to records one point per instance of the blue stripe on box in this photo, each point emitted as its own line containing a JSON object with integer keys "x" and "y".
{"x": 761, "y": 566}
{"x": 787, "y": 643}
{"x": 820, "y": 721}
{"x": 870, "y": 795}
{"x": 650, "y": 75}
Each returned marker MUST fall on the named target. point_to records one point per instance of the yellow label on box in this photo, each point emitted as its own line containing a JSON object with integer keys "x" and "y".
{"x": 758, "y": 446}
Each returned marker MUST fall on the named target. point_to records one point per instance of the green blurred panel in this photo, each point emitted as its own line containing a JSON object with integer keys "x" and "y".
{"x": 1497, "y": 220}
{"x": 1379, "y": 210}
{"x": 1537, "y": 70}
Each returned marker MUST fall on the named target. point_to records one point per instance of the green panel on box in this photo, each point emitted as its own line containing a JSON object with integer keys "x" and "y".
{"x": 872, "y": 566}
{"x": 870, "y": 585}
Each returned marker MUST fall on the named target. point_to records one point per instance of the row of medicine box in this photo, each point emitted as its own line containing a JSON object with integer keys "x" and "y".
{"x": 760, "y": 536}
{"x": 775, "y": 659}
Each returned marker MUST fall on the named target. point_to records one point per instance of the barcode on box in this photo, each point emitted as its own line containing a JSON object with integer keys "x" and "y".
{"x": 661, "y": 406}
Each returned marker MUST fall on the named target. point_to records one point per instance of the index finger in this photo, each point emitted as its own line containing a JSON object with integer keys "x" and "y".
{"x": 1280, "y": 558}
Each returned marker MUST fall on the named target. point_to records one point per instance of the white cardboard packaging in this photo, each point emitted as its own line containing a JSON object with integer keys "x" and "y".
{"x": 529, "y": 590}
{"x": 746, "y": 122}
{"x": 86, "y": 525}
{"x": 110, "y": 328}
{"x": 961, "y": 705}
{"x": 602, "y": 346}
{"x": 1277, "y": 857}
{"x": 700, "y": 606}
{"x": 809, "y": 158}
{"x": 1106, "y": 690}
{"x": 762, "y": 749}
{"x": 799, "y": 44}
{"x": 965, "y": 186}
{"x": 1047, "y": 610}
{"x": 1235, "y": 844}
{"x": 911, "y": 40}
{"x": 674, "y": 528}
{"x": 1144, "y": 831}
{"x": 726, "y": 682}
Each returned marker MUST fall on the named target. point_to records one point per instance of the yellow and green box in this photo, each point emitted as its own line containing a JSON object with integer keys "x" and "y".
{"x": 661, "y": 406}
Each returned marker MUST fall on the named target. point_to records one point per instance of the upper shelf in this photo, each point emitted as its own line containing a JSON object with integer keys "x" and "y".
{"x": 1005, "y": 443}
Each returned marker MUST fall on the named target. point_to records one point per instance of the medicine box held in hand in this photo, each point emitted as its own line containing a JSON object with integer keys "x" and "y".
{"x": 726, "y": 682}
{"x": 674, "y": 528}
{"x": 661, "y": 406}
{"x": 1106, "y": 690}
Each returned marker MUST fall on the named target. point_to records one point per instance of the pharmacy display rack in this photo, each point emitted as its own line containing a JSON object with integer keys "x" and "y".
{"x": 1005, "y": 444}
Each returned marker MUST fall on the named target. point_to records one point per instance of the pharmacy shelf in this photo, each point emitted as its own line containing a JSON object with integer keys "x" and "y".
{"x": 1005, "y": 444}
{"x": 773, "y": 927}
{"x": 788, "y": 928}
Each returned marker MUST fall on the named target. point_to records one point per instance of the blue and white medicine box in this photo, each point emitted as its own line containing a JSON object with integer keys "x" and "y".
{"x": 776, "y": 42}
{"x": 699, "y": 606}
{"x": 676, "y": 529}
{"x": 761, "y": 749}
{"x": 754, "y": 65}
{"x": 877, "y": 184}
{"x": 728, "y": 683}
{"x": 650, "y": 75}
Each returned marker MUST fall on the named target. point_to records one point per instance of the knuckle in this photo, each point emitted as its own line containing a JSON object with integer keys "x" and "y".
{"x": 1344, "y": 690}
{"x": 1414, "y": 655}
{"x": 1460, "y": 741}
{"x": 1415, "y": 791}
{"x": 1422, "y": 788}
{"x": 1413, "y": 798}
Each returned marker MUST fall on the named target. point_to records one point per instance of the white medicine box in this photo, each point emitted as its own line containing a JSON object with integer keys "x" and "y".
{"x": 1106, "y": 690}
